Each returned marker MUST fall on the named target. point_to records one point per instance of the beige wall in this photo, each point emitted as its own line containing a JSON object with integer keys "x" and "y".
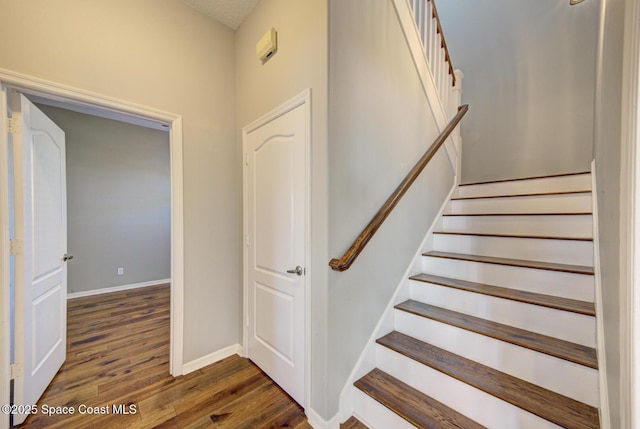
{"x": 380, "y": 124}
{"x": 529, "y": 81}
{"x": 118, "y": 201}
{"x": 300, "y": 63}
{"x": 165, "y": 55}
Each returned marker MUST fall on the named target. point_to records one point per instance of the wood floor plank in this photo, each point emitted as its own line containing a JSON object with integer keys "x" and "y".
{"x": 576, "y": 269}
{"x": 414, "y": 406}
{"x": 572, "y": 352}
{"x": 556, "y": 408}
{"x": 118, "y": 354}
{"x": 353, "y": 423}
{"x": 558, "y": 303}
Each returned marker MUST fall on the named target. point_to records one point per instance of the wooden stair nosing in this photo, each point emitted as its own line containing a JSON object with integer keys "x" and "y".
{"x": 353, "y": 423}
{"x": 518, "y": 179}
{"x": 549, "y": 301}
{"x": 572, "y": 352}
{"x": 521, "y": 214}
{"x": 411, "y": 404}
{"x": 531, "y": 194}
{"x": 549, "y": 266}
{"x": 537, "y": 237}
{"x": 542, "y": 402}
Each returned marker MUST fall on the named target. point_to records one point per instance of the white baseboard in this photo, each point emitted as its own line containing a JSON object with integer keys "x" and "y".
{"x": 214, "y": 357}
{"x": 116, "y": 288}
{"x": 318, "y": 422}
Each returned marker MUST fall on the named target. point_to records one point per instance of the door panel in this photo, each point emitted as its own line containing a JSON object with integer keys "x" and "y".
{"x": 41, "y": 273}
{"x": 276, "y": 225}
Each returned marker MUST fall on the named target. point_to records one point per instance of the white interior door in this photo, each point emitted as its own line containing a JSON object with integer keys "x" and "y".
{"x": 275, "y": 168}
{"x": 41, "y": 235}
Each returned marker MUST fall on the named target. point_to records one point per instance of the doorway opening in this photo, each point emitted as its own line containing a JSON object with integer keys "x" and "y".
{"x": 109, "y": 108}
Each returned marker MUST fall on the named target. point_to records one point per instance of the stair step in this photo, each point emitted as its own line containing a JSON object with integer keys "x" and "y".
{"x": 563, "y": 203}
{"x": 576, "y": 269}
{"x": 576, "y": 353}
{"x": 565, "y": 304}
{"x": 518, "y": 179}
{"x": 544, "y": 403}
{"x": 527, "y": 194}
{"x": 541, "y": 226}
{"x": 576, "y": 213}
{"x": 541, "y": 237}
{"x": 411, "y": 404}
{"x": 353, "y": 423}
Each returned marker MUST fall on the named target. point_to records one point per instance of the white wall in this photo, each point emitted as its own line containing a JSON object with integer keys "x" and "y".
{"x": 380, "y": 124}
{"x": 165, "y": 55}
{"x": 118, "y": 201}
{"x": 607, "y": 155}
{"x": 300, "y": 63}
{"x": 529, "y": 81}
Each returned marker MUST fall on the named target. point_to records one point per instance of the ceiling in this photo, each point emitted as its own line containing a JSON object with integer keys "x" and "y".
{"x": 229, "y": 12}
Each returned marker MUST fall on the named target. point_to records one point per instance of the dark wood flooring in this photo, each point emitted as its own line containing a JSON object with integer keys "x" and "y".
{"x": 118, "y": 355}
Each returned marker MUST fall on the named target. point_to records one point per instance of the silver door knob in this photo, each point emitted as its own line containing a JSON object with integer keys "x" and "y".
{"x": 66, "y": 257}
{"x": 298, "y": 270}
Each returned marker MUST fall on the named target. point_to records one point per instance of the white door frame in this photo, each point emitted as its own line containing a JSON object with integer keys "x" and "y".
{"x": 630, "y": 221}
{"x": 302, "y": 99}
{"x": 50, "y": 90}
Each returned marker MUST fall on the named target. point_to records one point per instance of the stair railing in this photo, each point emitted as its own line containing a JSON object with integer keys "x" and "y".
{"x": 365, "y": 236}
{"x": 434, "y": 46}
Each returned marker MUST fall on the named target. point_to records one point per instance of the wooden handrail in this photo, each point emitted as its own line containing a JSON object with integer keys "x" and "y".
{"x": 447, "y": 57}
{"x": 359, "y": 244}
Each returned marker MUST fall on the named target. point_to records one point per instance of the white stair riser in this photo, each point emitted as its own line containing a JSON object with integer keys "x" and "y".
{"x": 375, "y": 415}
{"x": 566, "y": 285}
{"x": 578, "y": 182}
{"x": 473, "y": 403}
{"x": 570, "y": 226}
{"x": 567, "y": 203}
{"x": 576, "y": 328}
{"x": 567, "y": 378}
{"x": 573, "y": 252}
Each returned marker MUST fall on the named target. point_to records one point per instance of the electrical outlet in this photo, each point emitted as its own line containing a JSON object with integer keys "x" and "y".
{"x": 120, "y": 271}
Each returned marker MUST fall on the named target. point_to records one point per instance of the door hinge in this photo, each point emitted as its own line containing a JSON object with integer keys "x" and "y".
{"x": 246, "y": 240}
{"x": 15, "y": 247}
{"x": 13, "y": 125}
{"x": 246, "y": 159}
{"x": 14, "y": 371}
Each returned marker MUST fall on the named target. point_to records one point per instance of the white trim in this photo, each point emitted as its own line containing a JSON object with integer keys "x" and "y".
{"x": 4, "y": 261}
{"x": 303, "y": 98}
{"x": 605, "y": 418}
{"x": 366, "y": 361}
{"x": 52, "y": 90}
{"x": 111, "y": 289}
{"x": 211, "y": 358}
{"x": 629, "y": 221}
{"x": 317, "y": 422}
{"x": 407, "y": 22}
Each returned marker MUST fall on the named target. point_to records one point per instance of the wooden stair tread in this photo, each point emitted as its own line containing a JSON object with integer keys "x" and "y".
{"x": 519, "y": 214}
{"x": 531, "y": 194}
{"x": 558, "y": 303}
{"x": 540, "y": 237}
{"x": 551, "y": 406}
{"x": 517, "y": 179}
{"x": 411, "y": 404}
{"x": 353, "y": 423}
{"x": 572, "y": 352}
{"x": 577, "y": 269}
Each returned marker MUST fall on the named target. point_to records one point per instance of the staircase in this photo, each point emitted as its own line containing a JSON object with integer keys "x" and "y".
{"x": 499, "y": 329}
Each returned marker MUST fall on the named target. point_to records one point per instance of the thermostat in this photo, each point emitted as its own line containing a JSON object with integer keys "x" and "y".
{"x": 267, "y": 45}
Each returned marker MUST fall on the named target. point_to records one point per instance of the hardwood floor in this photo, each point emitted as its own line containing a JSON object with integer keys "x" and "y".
{"x": 118, "y": 356}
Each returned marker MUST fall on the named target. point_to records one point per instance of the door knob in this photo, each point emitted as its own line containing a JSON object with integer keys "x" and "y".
{"x": 298, "y": 270}
{"x": 66, "y": 257}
